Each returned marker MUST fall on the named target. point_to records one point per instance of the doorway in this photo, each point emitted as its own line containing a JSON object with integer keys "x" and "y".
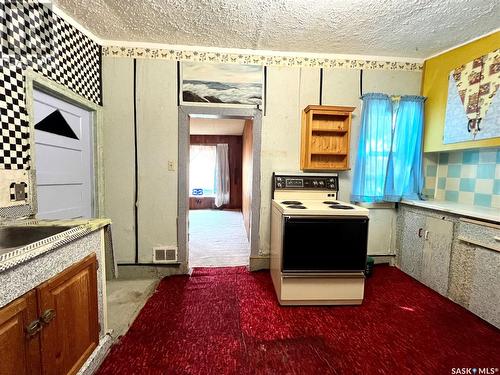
{"x": 217, "y": 235}
{"x": 218, "y": 226}
{"x": 64, "y": 158}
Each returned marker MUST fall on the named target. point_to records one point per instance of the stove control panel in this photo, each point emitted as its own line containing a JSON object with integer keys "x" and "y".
{"x": 309, "y": 182}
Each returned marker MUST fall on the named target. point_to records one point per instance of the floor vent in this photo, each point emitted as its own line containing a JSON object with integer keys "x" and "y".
{"x": 164, "y": 254}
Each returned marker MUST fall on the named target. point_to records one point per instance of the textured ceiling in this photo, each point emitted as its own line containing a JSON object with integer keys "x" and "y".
{"x": 408, "y": 28}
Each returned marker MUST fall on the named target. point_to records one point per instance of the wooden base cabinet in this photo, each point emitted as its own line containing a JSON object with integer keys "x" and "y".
{"x": 54, "y": 328}
{"x": 20, "y": 349}
{"x": 71, "y": 333}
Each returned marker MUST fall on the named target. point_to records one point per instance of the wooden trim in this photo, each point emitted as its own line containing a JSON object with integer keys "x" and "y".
{"x": 478, "y": 222}
{"x": 328, "y": 153}
{"x": 348, "y": 156}
{"x": 302, "y": 140}
{"x": 329, "y": 130}
{"x": 309, "y": 116}
{"x": 328, "y": 108}
{"x": 12, "y": 308}
{"x": 34, "y": 347}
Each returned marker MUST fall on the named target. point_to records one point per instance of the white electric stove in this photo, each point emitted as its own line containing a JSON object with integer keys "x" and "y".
{"x": 318, "y": 244}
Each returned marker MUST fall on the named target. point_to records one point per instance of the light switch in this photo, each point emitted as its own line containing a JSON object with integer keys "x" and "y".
{"x": 171, "y": 165}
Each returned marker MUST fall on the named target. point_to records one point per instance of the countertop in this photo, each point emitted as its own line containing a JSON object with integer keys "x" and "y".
{"x": 477, "y": 212}
{"x": 80, "y": 228}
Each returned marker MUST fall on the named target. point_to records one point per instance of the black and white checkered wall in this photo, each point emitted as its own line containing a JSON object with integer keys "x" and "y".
{"x": 32, "y": 36}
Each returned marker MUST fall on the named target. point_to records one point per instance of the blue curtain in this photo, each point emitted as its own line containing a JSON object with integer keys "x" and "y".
{"x": 404, "y": 169}
{"x": 375, "y": 141}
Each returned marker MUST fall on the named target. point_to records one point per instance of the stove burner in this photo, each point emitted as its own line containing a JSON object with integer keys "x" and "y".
{"x": 297, "y": 206}
{"x": 291, "y": 202}
{"x": 341, "y": 207}
{"x": 330, "y": 202}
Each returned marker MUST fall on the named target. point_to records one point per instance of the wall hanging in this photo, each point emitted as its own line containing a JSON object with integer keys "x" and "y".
{"x": 473, "y": 104}
{"x": 221, "y": 84}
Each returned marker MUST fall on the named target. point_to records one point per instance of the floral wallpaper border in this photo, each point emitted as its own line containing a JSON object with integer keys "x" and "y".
{"x": 235, "y": 58}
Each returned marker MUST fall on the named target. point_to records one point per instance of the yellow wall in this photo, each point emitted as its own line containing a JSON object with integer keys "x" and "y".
{"x": 435, "y": 88}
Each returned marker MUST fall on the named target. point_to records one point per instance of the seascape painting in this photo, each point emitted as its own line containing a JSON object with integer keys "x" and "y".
{"x": 222, "y": 83}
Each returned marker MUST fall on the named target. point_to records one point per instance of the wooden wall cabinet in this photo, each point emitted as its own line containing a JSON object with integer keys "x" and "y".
{"x": 54, "y": 328}
{"x": 325, "y": 138}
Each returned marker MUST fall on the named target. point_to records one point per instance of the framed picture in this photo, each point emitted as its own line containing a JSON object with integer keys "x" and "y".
{"x": 223, "y": 84}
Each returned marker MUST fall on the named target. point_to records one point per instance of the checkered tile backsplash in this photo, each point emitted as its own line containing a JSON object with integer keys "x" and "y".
{"x": 469, "y": 177}
{"x": 32, "y": 36}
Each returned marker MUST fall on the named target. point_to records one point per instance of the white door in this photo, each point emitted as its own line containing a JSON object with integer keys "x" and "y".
{"x": 63, "y": 158}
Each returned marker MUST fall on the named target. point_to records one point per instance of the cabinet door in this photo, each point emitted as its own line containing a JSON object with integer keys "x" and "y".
{"x": 68, "y": 302}
{"x": 437, "y": 251}
{"x": 412, "y": 243}
{"x": 19, "y": 350}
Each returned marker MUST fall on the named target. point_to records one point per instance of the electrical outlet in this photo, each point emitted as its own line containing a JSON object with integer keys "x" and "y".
{"x": 171, "y": 165}
{"x": 20, "y": 191}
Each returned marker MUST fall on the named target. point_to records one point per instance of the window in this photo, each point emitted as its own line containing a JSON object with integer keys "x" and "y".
{"x": 389, "y": 161}
{"x": 202, "y": 171}
{"x": 374, "y": 147}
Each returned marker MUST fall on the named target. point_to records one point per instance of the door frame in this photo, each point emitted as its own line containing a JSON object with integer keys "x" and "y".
{"x": 185, "y": 113}
{"x": 36, "y": 81}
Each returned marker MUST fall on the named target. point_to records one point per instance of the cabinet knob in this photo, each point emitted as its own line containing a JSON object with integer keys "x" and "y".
{"x": 33, "y": 328}
{"x": 48, "y": 316}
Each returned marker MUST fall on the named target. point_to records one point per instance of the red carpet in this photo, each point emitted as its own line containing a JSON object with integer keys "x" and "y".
{"x": 227, "y": 321}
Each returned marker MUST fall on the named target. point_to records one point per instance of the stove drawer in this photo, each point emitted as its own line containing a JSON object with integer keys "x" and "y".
{"x": 322, "y": 245}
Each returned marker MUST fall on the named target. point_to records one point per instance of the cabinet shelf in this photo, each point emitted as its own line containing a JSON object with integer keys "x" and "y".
{"x": 325, "y": 131}
{"x": 326, "y": 152}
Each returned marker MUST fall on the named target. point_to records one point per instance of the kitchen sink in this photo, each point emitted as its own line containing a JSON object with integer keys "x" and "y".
{"x": 12, "y": 237}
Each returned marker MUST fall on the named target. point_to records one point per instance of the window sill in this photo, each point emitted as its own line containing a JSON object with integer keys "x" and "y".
{"x": 378, "y": 205}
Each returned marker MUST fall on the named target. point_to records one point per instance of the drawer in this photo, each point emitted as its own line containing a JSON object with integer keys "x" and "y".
{"x": 479, "y": 233}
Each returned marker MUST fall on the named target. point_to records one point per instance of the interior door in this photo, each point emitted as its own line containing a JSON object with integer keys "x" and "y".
{"x": 63, "y": 158}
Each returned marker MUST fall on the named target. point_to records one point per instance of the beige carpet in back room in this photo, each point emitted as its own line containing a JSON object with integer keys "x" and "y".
{"x": 217, "y": 239}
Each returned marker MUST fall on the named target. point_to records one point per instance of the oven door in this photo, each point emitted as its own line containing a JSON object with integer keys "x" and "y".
{"x": 324, "y": 244}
